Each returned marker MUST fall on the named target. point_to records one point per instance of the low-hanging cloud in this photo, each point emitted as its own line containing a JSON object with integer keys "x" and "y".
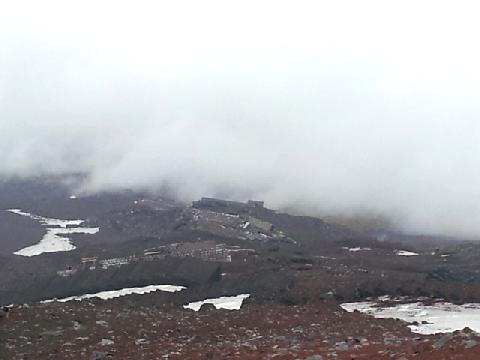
{"x": 320, "y": 108}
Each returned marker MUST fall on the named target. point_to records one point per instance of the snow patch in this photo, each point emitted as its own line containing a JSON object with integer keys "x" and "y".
{"x": 47, "y": 221}
{"x": 430, "y": 319}
{"x": 53, "y": 241}
{"x": 224, "y": 302}
{"x": 405, "y": 253}
{"x": 111, "y": 294}
{"x": 355, "y": 249}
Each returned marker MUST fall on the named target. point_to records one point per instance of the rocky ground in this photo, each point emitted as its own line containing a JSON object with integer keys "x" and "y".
{"x": 125, "y": 329}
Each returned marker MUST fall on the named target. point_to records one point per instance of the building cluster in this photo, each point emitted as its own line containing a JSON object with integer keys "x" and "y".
{"x": 226, "y": 206}
{"x": 117, "y": 262}
{"x": 203, "y": 250}
{"x": 238, "y": 225}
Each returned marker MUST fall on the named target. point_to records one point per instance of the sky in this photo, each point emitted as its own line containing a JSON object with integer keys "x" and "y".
{"x": 324, "y": 107}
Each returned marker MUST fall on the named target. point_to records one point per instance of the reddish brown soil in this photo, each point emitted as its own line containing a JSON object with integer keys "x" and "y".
{"x": 118, "y": 329}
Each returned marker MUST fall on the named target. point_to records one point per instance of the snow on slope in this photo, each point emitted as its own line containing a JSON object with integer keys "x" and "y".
{"x": 53, "y": 241}
{"x": 405, "y": 253}
{"x": 430, "y": 319}
{"x": 111, "y": 294}
{"x": 47, "y": 221}
{"x": 225, "y": 302}
{"x": 355, "y": 249}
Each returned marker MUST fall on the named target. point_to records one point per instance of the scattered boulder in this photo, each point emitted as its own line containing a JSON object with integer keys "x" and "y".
{"x": 314, "y": 357}
{"x": 342, "y": 346}
{"x": 98, "y": 355}
{"x": 106, "y": 342}
{"x": 4, "y": 312}
{"x": 208, "y": 307}
{"x": 443, "y": 340}
{"x": 141, "y": 341}
{"x": 468, "y": 344}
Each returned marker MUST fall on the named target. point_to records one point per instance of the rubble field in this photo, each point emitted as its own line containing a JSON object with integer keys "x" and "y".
{"x": 125, "y": 329}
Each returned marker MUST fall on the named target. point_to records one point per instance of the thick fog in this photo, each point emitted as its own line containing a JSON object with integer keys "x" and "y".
{"x": 322, "y": 107}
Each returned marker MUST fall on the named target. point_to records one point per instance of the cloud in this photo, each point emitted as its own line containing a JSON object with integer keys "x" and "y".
{"x": 321, "y": 108}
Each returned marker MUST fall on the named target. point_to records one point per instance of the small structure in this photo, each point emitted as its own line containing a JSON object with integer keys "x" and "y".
{"x": 257, "y": 204}
{"x": 115, "y": 262}
{"x": 225, "y": 206}
{"x": 69, "y": 271}
{"x": 89, "y": 262}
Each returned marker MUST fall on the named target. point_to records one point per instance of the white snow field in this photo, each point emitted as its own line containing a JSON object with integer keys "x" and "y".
{"x": 53, "y": 241}
{"x": 430, "y": 319}
{"x": 111, "y": 294}
{"x": 224, "y": 302}
{"x": 355, "y": 249}
{"x": 406, "y": 253}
